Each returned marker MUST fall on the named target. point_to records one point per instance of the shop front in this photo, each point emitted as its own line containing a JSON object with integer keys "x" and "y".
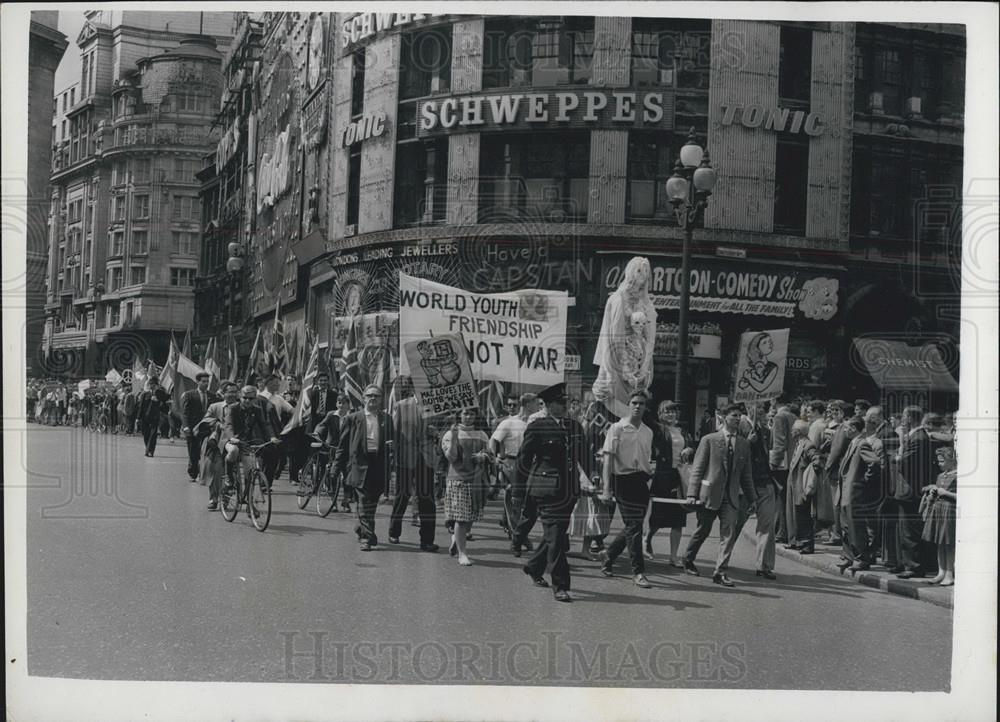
{"x": 729, "y": 298}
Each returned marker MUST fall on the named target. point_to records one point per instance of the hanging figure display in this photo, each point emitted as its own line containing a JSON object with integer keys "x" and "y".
{"x": 625, "y": 347}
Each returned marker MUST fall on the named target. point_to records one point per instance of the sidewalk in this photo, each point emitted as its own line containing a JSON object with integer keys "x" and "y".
{"x": 826, "y": 558}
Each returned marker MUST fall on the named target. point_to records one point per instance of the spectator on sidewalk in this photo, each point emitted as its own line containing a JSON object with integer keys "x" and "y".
{"x": 802, "y": 484}
{"x": 918, "y": 469}
{"x": 835, "y": 443}
{"x": 939, "y": 527}
{"x": 855, "y": 498}
{"x": 782, "y": 445}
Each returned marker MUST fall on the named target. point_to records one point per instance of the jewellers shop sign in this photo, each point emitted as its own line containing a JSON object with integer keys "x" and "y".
{"x": 532, "y": 111}
{"x": 719, "y": 287}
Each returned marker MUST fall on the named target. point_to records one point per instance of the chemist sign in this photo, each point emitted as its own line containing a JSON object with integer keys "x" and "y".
{"x": 442, "y": 377}
{"x": 518, "y": 337}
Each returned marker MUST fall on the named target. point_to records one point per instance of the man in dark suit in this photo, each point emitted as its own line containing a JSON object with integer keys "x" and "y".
{"x": 416, "y": 457}
{"x": 918, "y": 468}
{"x": 855, "y": 498}
{"x": 782, "y": 445}
{"x": 152, "y": 405}
{"x": 322, "y": 400}
{"x": 720, "y": 473}
{"x": 194, "y": 404}
{"x": 247, "y": 421}
{"x": 366, "y": 440}
{"x": 548, "y": 467}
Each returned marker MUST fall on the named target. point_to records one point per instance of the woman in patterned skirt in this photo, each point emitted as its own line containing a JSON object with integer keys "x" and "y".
{"x": 939, "y": 522}
{"x": 466, "y": 449}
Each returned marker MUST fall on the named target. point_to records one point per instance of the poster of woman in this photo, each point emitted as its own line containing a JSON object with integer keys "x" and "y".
{"x": 760, "y": 369}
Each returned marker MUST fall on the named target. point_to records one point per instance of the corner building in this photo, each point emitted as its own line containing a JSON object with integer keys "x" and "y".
{"x": 498, "y": 153}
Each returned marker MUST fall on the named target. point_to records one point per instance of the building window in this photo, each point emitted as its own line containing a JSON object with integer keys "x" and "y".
{"x": 425, "y": 63}
{"x": 188, "y": 103}
{"x": 117, "y": 243}
{"x": 651, "y": 157}
{"x": 75, "y": 211}
{"x": 537, "y": 51}
{"x": 142, "y": 170}
{"x": 118, "y": 174}
{"x": 114, "y": 315}
{"x": 182, "y": 276}
{"x": 354, "y": 187}
{"x": 183, "y": 242}
{"x": 791, "y": 186}
{"x": 795, "y": 65}
{"x": 421, "y": 183}
{"x": 905, "y": 192}
{"x": 140, "y": 242}
{"x": 899, "y": 76}
{"x": 541, "y": 176}
{"x": 184, "y": 170}
{"x": 141, "y": 205}
{"x": 358, "y": 83}
{"x": 114, "y": 279}
{"x": 137, "y": 275}
{"x": 118, "y": 208}
{"x": 186, "y": 208}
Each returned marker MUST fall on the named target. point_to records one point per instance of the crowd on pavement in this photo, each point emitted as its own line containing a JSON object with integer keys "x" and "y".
{"x": 883, "y": 489}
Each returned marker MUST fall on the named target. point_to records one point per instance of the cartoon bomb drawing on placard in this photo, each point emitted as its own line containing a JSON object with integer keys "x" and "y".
{"x": 439, "y": 362}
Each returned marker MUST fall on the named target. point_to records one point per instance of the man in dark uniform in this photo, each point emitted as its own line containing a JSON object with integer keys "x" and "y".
{"x": 548, "y": 468}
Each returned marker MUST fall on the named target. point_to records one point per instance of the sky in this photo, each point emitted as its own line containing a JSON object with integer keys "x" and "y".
{"x": 70, "y": 24}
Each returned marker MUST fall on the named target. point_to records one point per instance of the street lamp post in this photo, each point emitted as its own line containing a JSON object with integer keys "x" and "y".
{"x": 688, "y": 190}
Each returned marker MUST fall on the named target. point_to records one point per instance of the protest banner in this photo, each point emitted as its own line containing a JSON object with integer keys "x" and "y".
{"x": 442, "y": 376}
{"x": 518, "y": 336}
{"x": 760, "y": 367}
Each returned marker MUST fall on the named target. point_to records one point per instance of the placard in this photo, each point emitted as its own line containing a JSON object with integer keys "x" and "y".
{"x": 760, "y": 367}
{"x": 518, "y": 337}
{"x": 442, "y": 377}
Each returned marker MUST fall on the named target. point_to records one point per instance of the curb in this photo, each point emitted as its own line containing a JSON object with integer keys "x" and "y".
{"x": 825, "y": 560}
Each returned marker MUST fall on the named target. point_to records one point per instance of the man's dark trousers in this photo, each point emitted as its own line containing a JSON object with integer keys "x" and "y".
{"x": 194, "y": 454}
{"x": 780, "y": 477}
{"x": 632, "y": 494}
{"x": 527, "y": 508}
{"x": 551, "y": 552}
{"x": 912, "y": 555}
{"x": 150, "y": 431}
{"x": 418, "y": 482}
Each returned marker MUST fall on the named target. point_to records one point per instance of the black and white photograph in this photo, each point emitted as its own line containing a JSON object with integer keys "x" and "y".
{"x": 500, "y": 361}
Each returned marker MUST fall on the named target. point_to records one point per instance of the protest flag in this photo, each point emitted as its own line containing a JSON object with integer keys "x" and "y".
{"x": 257, "y": 355}
{"x": 491, "y": 401}
{"x": 353, "y": 385}
{"x": 232, "y": 357}
{"x": 186, "y": 347}
{"x": 279, "y": 352}
{"x": 211, "y": 365}
{"x": 303, "y": 408}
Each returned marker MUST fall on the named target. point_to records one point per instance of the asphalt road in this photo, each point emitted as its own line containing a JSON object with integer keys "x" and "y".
{"x": 130, "y": 577}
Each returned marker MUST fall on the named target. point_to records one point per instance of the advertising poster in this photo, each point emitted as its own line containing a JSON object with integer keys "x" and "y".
{"x": 760, "y": 366}
{"x": 442, "y": 377}
{"x": 518, "y": 337}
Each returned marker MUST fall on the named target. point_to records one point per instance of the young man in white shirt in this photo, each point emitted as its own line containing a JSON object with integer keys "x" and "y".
{"x": 628, "y": 449}
{"x": 505, "y": 443}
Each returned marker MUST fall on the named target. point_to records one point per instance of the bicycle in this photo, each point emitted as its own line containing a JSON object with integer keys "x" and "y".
{"x": 318, "y": 480}
{"x": 248, "y": 487}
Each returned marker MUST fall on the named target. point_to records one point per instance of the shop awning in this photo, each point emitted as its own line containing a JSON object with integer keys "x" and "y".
{"x": 894, "y": 365}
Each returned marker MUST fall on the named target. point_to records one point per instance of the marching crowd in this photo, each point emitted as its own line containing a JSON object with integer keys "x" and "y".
{"x": 883, "y": 489}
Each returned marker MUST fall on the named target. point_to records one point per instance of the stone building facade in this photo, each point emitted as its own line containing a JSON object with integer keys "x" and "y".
{"x": 124, "y": 216}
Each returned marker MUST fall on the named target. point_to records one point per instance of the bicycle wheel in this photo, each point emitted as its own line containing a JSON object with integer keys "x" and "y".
{"x": 307, "y": 484}
{"x": 326, "y": 493}
{"x": 229, "y": 497}
{"x": 259, "y": 500}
